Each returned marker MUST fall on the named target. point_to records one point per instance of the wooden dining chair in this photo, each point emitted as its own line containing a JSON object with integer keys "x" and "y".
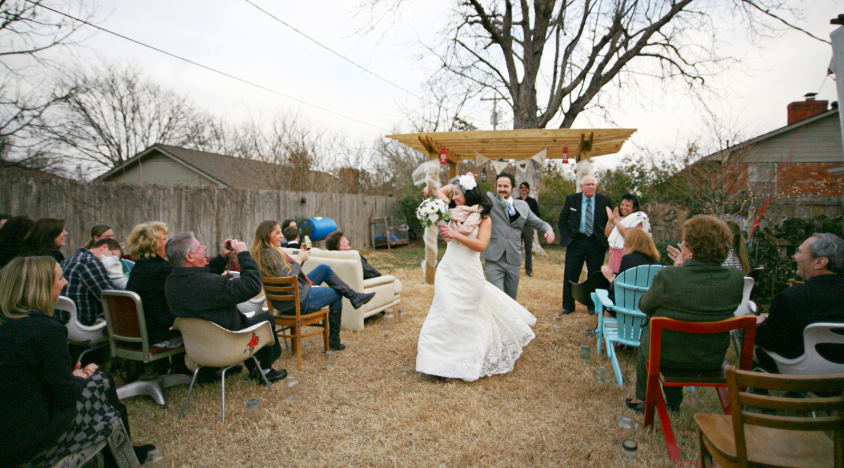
{"x": 782, "y": 429}
{"x": 658, "y": 377}
{"x": 281, "y": 289}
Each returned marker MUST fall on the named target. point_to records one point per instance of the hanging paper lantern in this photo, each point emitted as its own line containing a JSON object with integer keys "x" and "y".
{"x": 443, "y": 156}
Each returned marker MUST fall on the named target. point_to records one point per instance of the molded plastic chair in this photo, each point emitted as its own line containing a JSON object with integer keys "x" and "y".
{"x": 812, "y": 362}
{"x": 280, "y": 289}
{"x": 630, "y": 285}
{"x": 127, "y": 337}
{"x": 91, "y": 337}
{"x": 657, "y": 377}
{"x": 754, "y": 436}
{"x": 210, "y": 345}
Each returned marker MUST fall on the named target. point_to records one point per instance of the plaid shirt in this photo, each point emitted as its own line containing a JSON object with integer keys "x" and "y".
{"x": 86, "y": 279}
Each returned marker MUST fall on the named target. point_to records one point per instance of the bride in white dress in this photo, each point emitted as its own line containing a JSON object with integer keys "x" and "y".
{"x": 473, "y": 329}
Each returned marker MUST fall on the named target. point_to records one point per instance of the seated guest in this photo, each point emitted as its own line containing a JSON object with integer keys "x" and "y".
{"x": 12, "y": 237}
{"x": 625, "y": 216}
{"x": 146, "y": 246}
{"x": 312, "y": 297}
{"x": 291, "y": 235}
{"x": 696, "y": 289}
{"x": 87, "y": 278}
{"x": 50, "y": 408}
{"x": 112, "y": 261}
{"x": 639, "y": 249}
{"x": 737, "y": 256}
{"x": 47, "y": 237}
{"x": 284, "y": 225}
{"x": 100, "y": 231}
{"x": 820, "y": 261}
{"x": 195, "y": 289}
{"x": 337, "y": 241}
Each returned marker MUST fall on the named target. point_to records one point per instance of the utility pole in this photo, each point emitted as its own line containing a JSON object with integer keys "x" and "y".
{"x": 494, "y": 118}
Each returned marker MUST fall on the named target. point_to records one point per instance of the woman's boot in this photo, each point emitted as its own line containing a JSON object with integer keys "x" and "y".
{"x": 334, "y": 320}
{"x": 357, "y": 299}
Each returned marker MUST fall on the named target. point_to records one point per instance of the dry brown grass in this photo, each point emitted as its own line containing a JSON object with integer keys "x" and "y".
{"x": 368, "y": 407}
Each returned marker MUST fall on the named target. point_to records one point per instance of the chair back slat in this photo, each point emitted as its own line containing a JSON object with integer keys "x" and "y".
{"x": 816, "y": 413}
{"x": 632, "y": 284}
{"x": 281, "y": 289}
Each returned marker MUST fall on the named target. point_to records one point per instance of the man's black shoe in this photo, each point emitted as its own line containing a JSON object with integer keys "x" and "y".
{"x": 529, "y": 273}
{"x": 337, "y": 347}
{"x": 565, "y": 312}
{"x": 272, "y": 376}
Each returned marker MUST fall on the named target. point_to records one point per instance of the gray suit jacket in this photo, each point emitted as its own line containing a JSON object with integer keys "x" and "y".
{"x": 505, "y": 243}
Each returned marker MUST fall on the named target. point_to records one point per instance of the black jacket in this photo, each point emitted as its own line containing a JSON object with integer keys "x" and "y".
{"x": 39, "y": 391}
{"x": 147, "y": 279}
{"x": 369, "y": 271}
{"x": 203, "y": 293}
{"x": 569, "y": 223}
{"x": 820, "y": 299}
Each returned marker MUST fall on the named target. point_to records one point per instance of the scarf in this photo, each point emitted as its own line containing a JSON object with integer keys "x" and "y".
{"x": 616, "y": 240}
{"x": 464, "y": 219}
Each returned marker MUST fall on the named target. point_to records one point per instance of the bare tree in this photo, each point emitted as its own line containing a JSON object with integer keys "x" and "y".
{"x": 111, "y": 113}
{"x": 27, "y": 31}
{"x": 549, "y": 59}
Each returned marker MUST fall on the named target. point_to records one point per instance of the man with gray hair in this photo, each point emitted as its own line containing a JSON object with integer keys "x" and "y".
{"x": 820, "y": 261}
{"x": 196, "y": 289}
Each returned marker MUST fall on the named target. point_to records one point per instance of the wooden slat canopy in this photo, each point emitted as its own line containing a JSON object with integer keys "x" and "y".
{"x": 518, "y": 144}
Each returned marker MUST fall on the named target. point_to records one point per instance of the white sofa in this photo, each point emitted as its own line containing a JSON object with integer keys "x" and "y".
{"x": 347, "y": 265}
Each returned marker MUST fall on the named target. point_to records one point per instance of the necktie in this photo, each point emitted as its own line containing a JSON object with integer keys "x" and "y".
{"x": 587, "y": 229}
{"x": 511, "y": 210}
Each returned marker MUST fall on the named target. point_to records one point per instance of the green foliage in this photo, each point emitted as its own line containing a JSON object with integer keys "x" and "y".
{"x": 642, "y": 176}
{"x": 555, "y": 188}
{"x": 773, "y": 247}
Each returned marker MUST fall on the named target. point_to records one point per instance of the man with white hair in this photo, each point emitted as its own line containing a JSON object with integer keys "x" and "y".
{"x": 581, "y": 224}
{"x": 820, "y": 261}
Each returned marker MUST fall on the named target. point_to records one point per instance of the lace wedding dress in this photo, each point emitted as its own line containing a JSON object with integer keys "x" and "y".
{"x": 473, "y": 329}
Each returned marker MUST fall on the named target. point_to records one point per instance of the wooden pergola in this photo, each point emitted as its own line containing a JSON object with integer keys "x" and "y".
{"x": 579, "y": 144}
{"x": 516, "y": 144}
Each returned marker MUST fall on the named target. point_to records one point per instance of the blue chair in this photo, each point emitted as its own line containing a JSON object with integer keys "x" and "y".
{"x": 626, "y": 327}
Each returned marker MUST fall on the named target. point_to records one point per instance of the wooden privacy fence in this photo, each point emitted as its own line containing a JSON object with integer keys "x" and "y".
{"x": 213, "y": 214}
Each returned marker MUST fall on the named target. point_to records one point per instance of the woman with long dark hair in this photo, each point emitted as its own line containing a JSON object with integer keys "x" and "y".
{"x": 47, "y": 237}
{"x": 473, "y": 329}
{"x": 12, "y": 237}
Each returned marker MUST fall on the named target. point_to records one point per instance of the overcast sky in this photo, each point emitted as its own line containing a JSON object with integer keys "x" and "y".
{"x": 233, "y": 36}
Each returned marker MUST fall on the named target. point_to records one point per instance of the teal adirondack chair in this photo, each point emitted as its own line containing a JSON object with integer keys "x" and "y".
{"x": 626, "y": 327}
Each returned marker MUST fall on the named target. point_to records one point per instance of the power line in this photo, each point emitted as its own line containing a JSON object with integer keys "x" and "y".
{"x": 338, "y": 54}
{"x": 206, "y": 67}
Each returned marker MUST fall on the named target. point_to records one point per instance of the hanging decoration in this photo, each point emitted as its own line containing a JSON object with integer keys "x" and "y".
{"x": 483, "y": 175}
{"x": 443, "y": 156}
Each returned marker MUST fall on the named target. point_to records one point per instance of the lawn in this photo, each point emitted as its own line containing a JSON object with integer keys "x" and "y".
{"x": 366, "y": 406}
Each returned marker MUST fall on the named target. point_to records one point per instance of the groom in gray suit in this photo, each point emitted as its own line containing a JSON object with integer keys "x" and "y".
{"x": 503, "y": 255}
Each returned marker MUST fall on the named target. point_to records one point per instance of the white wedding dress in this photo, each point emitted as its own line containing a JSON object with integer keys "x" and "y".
{"x": 473, "y": 329}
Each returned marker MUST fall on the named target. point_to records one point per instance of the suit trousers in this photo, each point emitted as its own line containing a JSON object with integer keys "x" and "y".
{"x": 581, "y": 249}
{"x": 527, "y": 241}
{"x": 503, "y": 275}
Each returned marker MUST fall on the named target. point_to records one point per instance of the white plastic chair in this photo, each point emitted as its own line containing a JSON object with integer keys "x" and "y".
{"x": 90, "y": 336}
{"x": 812, "y": 362}
{"x": 210, "y": 345}
{"x": 747, "y": 306}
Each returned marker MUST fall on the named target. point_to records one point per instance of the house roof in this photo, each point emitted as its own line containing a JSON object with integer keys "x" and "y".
{"x": 721, "y": 154}
{"x": 228, "y": 171}
{"x": 516, "y": 144}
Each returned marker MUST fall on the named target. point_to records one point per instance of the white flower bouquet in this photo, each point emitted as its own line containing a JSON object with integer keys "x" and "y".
{"x": 431, "y": 211}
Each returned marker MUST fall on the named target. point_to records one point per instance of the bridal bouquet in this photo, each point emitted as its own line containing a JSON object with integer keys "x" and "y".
{"x": 431, "y": 211}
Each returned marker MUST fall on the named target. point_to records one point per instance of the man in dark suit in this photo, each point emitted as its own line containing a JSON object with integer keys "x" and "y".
{"x": 582, "y": 222}
{"x": 527, "y": 231}
{"x": 820, "y": 261}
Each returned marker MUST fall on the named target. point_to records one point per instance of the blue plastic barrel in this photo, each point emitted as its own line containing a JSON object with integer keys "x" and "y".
{"x": 319, "y": 227}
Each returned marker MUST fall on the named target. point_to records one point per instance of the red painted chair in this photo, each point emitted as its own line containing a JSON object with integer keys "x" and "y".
{"x": 654, "y": 398}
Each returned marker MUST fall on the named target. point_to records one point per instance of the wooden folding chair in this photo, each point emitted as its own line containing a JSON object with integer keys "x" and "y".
{"x": 280, "y": 289}
{"x": 657, "y": 377}
{"x": 785, "y": 429}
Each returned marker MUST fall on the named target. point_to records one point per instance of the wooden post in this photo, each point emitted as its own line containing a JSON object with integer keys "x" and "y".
{"x": 430, "y": 238}
{"x": 452, "y": 169}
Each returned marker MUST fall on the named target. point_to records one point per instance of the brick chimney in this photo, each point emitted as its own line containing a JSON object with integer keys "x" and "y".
{"x": 800, "y": 110}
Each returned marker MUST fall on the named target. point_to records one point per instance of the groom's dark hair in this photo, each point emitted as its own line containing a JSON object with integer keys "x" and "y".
{"x": 509, "y": 176}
